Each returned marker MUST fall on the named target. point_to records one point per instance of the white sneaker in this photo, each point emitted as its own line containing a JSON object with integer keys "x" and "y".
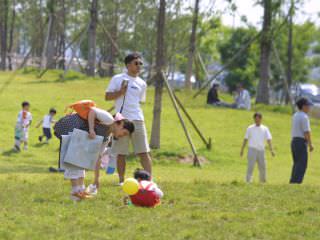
{"x": 119, "y": 184}
{"x": 92, "y": 189}
{"x": 25, "y": 148}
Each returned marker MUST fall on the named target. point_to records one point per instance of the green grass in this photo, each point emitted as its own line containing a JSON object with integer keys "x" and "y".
{"x": 208, "y": 203}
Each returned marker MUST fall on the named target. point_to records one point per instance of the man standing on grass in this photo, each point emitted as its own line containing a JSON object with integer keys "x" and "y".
{"x": 256, "y": 135}
{"x": 301, "y": 139}
{"x": 129, "y": 90}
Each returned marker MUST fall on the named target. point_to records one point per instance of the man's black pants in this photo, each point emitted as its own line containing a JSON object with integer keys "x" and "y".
{"x": 299, "y": 151}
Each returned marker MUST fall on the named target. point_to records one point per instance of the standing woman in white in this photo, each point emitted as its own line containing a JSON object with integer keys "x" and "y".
{"x": 257, "y": 134}
{"x": 128, "y": 90}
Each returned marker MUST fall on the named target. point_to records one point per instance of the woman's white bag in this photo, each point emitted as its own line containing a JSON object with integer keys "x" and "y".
{"x": 81, "y": 151}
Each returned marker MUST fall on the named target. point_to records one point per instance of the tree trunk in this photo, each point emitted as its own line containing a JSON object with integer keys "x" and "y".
{"x": 51, "y": 48}
{"x": 192, "y": 46}
{"x": 160, "y": 62}
{"x": 114, "y": 36}
{"x": 92, "y": 38}
{"x": 62, "y": 34}
{"x": 265, "y": 50}
{"x": 12, "y": 26}
{"x": 290, "y": 47}
{"x": 4, "y": 9}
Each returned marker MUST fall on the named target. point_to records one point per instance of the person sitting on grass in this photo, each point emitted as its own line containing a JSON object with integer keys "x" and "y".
{"x": 46, "y": 125}
{"x": 256, "y": 135}
{"x": 242, "y": 99}
{"x": 99, "y": 122}
{"x": 22, "y": 127}
{"x": 213, "y": 98}
{"x": 149, "y": 193}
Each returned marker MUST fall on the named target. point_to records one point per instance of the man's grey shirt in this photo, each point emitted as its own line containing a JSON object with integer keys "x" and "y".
{"x": 300, "y": 124}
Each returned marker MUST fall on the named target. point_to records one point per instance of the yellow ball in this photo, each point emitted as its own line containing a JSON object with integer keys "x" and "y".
{"x": 130, "y": 186}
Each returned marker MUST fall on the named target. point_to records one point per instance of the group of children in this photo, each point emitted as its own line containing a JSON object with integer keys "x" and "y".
{"x": 24, "y": 120}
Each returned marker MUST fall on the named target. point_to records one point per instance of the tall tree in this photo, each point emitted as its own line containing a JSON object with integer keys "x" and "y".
{"x": 160, "y": 63}
{"x": 49, "y": 49}
{"x": 290, "y": 49}
{"x": 265, "y": 50}
{"x": 4, "y": 9}
{"x": 92, "y": 35}
{"x": 114, "y": 37}
{"x": 11, "y": 33}
{"x": 62, "y": 34}
{"x": 192, "y": 46}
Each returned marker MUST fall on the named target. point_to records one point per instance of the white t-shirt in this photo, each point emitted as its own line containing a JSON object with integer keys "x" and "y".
{"x": 154, "y": 187}
{"x": 136, "y": 93}
{"x": 257, "y": 135}
{"x": 24, "y": 118}
{"x": 47, "y": 120}
{"x": 243, "y": 100}
{"x": 103, "y": 116}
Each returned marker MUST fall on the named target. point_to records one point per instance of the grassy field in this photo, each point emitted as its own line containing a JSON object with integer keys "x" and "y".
{"x": 208, "y": 203}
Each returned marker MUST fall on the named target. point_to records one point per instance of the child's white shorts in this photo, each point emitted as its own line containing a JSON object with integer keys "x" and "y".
{"x": 74, "y": 174}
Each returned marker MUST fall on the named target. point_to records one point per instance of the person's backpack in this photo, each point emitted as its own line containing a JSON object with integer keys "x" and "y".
{"x": 82, "y": 108}
{"x": 145, "y": 197}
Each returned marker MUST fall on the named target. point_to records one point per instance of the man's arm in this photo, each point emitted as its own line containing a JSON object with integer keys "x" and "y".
{"x": 243, "y": 146}
{"x": 270, "y": 147}
{"x": 91, "y": 120}
{"x": 112, "y": 95}
{"x": 307, "y": 136}
{"x": 116, "y": 94}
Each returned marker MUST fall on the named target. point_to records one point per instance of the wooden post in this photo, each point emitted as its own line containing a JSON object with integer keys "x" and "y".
{"x": 196, "y": 161}
{"x": 207, "y": 143}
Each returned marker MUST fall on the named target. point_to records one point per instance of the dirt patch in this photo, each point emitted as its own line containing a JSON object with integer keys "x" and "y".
{"x": 189, "y": 159}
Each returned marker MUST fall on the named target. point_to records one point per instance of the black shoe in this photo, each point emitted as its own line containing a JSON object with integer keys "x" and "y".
{"x": 52, "y": 169}
{"x": 40, "y": 138}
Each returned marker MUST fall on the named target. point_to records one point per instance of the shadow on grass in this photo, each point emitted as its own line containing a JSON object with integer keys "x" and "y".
{"x": 10, "y": 152}
{"x": 24, "y": 169}
{"x": 39, "y": 145}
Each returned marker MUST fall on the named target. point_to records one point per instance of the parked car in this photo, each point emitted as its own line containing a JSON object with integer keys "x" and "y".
{"x": 308, "y": 90}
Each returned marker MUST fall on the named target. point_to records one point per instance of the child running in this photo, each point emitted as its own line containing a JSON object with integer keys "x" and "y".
{"x": 22, "y": 126}
{"x": 46, "y": 125}
{"x": 149, "y": 193}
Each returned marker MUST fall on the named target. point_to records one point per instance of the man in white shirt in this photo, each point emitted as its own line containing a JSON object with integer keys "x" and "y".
{"x": 257, "y": 134}
{"x": 128, "y": 90}
{"x": 243, "y": 99}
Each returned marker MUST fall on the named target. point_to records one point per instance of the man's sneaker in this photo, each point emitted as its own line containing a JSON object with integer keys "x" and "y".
{"x": 40, "y": 138}
{"x": 92, "y": 189}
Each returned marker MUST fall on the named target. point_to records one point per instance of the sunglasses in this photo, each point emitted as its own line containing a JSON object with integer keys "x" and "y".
{"x": 138, "y": 63}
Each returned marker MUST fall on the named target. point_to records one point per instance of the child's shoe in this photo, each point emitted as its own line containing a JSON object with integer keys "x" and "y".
{"x": 16, "y": 148}
{"x": 40, "y": 138}
{"x": 78, "y": 196}
{"x": 92, "y": 189}
{"x": 25, "y": 148}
